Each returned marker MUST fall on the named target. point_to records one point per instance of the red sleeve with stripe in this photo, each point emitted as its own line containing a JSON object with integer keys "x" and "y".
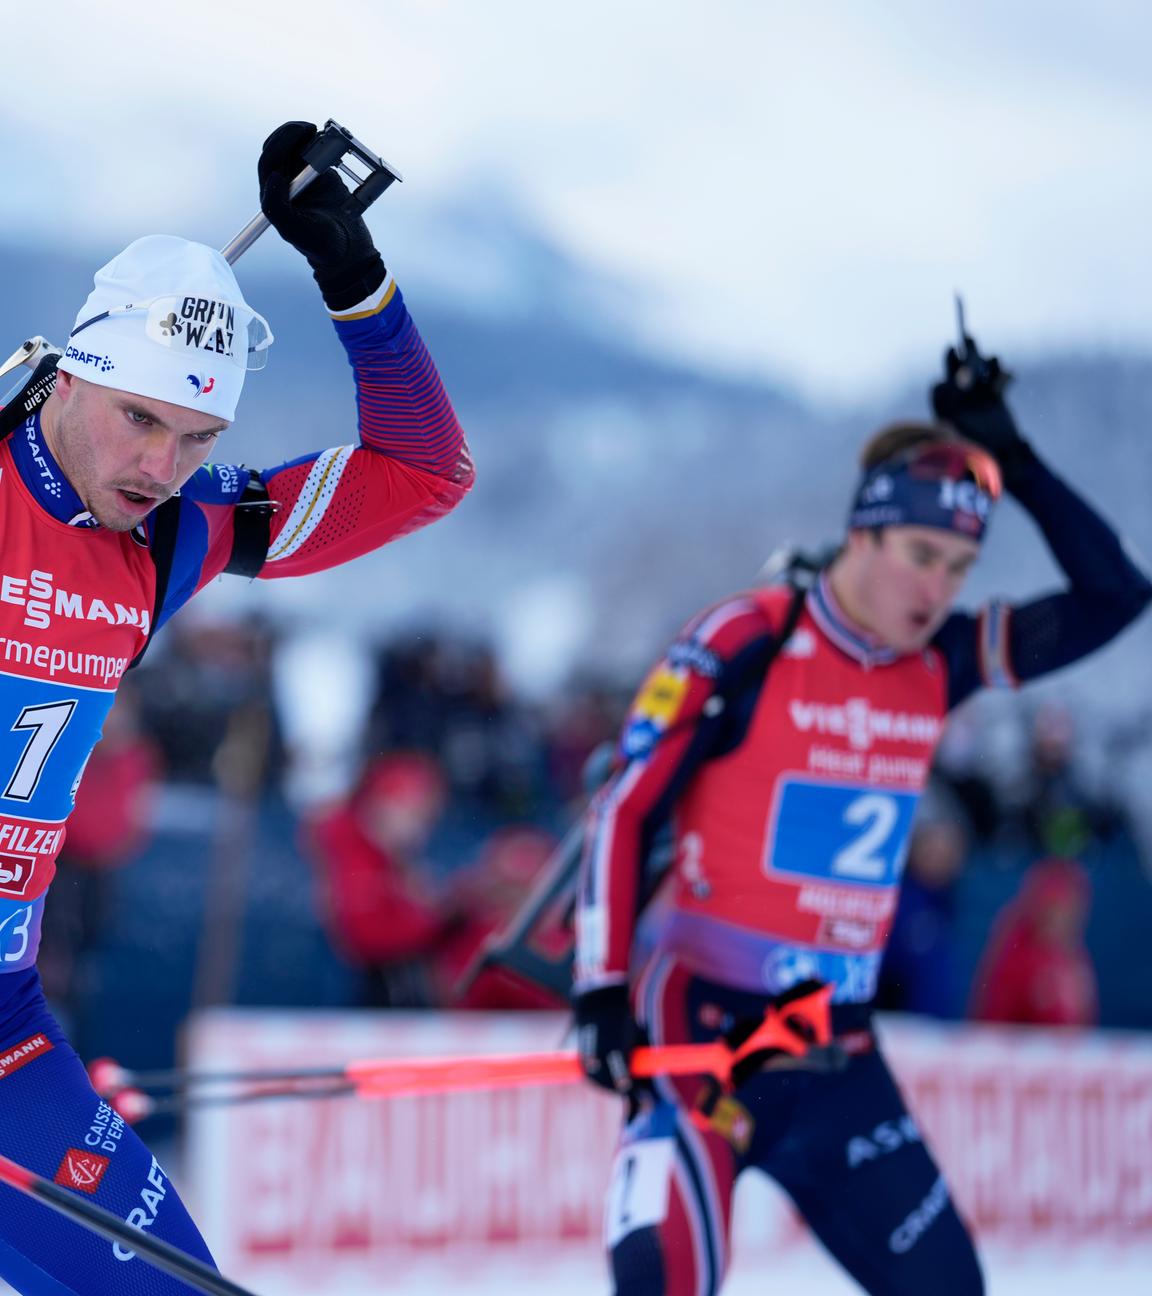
{"x": 411, "y": 465}
{"x": 658, "y": 733}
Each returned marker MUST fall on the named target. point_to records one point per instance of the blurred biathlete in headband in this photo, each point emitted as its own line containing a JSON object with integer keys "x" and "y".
{"x": 112, "y": 519}
{"x": 784, "y": 740}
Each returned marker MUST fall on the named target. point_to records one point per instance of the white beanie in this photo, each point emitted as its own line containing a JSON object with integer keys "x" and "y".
{"x": 166, "y": 319}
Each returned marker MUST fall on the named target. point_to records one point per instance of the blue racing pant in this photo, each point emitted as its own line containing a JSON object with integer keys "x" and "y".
{"x": 53, "y": 1122}
{"x": 842, "y": 1144}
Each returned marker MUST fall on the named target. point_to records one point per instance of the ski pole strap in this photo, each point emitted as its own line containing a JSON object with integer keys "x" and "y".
{"x": 251, "y": 528}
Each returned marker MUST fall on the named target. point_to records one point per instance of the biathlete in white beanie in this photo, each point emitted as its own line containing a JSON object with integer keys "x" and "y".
{"x": 166, "y": 319}
{"x": 110, "y": 520}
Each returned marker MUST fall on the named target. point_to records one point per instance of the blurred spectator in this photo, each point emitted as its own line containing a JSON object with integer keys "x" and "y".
{"x": 960, "y": 774}
{"x": 211, "y": 688}
{"x": 1036, "y": 968}
{"x": 1060, "y": 815}
{"x": 491, "y": 746}
{"x": 384, "y": 913}
{"x": 491, "y": 892}
{"x": 448, "y": 697}
{"x": 409, "y": 706}
{"x": 109, "y": 827}
{"x": 919, "y": 973}
{"x": 586, "y": 715}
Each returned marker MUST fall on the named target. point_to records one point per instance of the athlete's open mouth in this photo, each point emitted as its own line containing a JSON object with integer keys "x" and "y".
{"x": 135, "y": 500}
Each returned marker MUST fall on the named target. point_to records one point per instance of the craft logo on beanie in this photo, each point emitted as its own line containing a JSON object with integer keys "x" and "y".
{"x": 166, "y": 319}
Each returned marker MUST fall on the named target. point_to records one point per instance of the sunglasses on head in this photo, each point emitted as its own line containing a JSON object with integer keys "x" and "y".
{"x": 942, "y": 460}
{"x": 231, "y": 330}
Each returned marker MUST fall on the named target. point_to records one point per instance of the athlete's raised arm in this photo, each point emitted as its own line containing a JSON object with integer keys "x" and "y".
{"x": 1106, "y": 587}
{"x": 410, "y": 464}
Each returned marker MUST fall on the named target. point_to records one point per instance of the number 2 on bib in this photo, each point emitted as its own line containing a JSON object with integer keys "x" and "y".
{"x": 839, "y": 832}
{"x": 863, "y": 858}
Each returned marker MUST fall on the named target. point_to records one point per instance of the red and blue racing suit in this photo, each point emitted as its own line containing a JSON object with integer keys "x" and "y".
{"x": 790, "y": 796}
{"x": 77, "y": 604}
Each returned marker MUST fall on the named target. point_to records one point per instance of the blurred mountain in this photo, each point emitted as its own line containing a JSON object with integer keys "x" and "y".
{"x": 617, "y": 490}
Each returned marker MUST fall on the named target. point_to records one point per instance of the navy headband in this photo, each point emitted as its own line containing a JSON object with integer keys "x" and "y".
{"x": 949, "y": 486}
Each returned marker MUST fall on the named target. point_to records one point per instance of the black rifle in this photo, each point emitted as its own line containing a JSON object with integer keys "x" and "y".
{"x": 550, "y": 904}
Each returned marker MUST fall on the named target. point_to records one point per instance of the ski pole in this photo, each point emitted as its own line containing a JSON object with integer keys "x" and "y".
{"x": 331, "y": 148}
{"x": 411, "y": 1077}
{"x": 796, "y": 1028}
{"x": 108, "y": 1076}
{"x": 776, "y": 1034}
{"x": 134, "y": 1105}
{"x": 163, "y": 1255}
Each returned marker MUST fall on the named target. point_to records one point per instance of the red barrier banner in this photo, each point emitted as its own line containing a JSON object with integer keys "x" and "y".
{"x": 1044, "y": 1137}
{"x": 1042, "y": 1134}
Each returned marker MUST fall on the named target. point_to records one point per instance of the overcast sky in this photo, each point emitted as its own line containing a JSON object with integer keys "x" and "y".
{"x": 788, "y": 188}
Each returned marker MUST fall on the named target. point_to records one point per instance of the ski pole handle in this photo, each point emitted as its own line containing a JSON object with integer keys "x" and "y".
{"x": 329, "y": 150}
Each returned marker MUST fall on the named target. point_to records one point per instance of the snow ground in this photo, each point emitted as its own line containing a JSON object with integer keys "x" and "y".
{"x": 804, "y": 1272}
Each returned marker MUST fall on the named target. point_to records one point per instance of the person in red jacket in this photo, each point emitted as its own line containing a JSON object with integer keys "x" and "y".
{"x": 384, "y": 914}
{"x": 490, "y": 892}
{"x": 1036, "y": 969}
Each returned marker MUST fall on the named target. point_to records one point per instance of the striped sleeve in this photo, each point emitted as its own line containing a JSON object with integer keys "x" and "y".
{"x": 659, "y": 752}
{"x": 345, "y": 502}
{"x": 410, "y": 467}
{"x": 977, "y": 651}
{"x": 993, "y": 630}
{"x": 311, "y": 504}
{"x": 1105, "y": 589}
{"x": 404, "y": 411}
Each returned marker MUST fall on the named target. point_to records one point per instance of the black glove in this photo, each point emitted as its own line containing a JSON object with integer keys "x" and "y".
{"x": 325, "y": 222}
{"x": 971, "y": 399}
{"x": 605, "y": 1036}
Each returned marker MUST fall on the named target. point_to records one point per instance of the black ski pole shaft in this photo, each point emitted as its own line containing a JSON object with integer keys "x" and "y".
{"x": 155, "y": 1250}
{"x": 962, "y": 339}
{"x": 174, "y": 1104}
{"x": 178, "y": 1079}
